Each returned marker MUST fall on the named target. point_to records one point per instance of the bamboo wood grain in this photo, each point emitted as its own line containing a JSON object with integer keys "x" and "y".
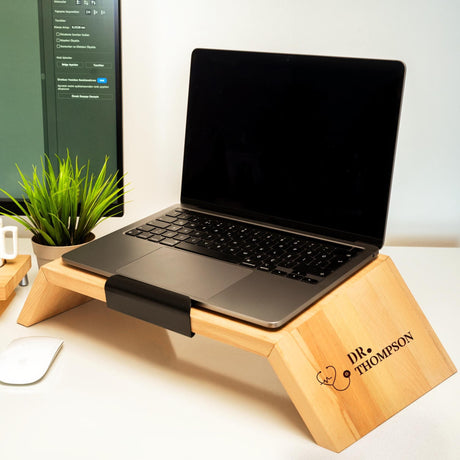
{"x": 370, "y": 311}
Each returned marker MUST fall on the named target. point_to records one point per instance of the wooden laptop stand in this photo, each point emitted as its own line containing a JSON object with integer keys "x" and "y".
{"x": 359, "y": 355}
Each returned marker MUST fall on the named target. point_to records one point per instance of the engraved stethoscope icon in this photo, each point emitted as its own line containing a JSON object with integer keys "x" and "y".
{"x": 330, "y": 379}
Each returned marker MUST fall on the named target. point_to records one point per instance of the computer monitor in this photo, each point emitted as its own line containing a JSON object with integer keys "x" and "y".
{"x": 61, "y": 87}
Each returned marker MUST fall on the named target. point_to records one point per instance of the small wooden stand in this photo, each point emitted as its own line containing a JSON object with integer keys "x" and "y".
{"x": 11, "y": 275}
{"x": 359, "y": 355}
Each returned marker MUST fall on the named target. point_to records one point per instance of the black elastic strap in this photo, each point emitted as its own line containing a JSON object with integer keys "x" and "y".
{"x": 150, "y": 303}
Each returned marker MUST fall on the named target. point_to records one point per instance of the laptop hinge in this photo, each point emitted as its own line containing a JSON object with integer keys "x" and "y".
{"x": 150, "y": 303}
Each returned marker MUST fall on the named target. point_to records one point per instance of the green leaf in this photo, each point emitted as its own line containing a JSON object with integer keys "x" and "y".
{"x": 63, "y": 204}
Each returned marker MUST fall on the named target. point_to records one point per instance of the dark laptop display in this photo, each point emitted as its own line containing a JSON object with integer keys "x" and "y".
{"x": 293, "y": 139}
{"x": 285, "y": 188}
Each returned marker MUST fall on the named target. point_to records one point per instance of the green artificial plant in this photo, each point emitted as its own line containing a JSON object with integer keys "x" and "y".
{"x": 63, "y": 205}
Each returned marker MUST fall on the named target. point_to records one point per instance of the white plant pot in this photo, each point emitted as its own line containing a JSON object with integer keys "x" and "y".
{"x": 45, "y": 253}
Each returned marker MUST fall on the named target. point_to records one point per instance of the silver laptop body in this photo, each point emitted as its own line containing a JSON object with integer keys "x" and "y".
{"x": 297, "y": 153}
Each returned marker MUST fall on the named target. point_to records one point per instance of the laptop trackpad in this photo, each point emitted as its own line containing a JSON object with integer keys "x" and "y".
{"x": 196, "y": 276}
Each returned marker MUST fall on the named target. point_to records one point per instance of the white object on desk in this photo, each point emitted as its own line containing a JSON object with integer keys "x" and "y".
{"x": 3, "y": 253}
{"x": 26, "y": 360}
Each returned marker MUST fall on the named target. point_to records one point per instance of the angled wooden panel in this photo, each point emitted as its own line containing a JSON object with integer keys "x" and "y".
{"x": 46, "y": 300}
{"x": 360, "y": 355}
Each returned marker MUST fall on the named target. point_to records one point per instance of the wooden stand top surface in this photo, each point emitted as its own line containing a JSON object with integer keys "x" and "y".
{"x": 204, "y": 322}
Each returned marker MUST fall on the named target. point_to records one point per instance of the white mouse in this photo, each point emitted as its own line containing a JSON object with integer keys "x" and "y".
{"x": 26, "y": 360}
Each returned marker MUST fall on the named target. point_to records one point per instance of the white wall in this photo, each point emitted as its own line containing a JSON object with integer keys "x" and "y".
{"x": 158, "y": 37}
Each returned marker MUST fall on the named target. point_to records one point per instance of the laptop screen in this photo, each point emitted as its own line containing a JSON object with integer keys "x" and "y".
{"x": 303, "y": 141}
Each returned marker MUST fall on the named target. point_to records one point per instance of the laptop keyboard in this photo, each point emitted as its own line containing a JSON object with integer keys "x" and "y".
{"x": 285, "y": 254}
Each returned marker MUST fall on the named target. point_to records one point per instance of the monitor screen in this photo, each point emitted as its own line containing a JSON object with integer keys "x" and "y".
{"x": 61, "y": 88}
{"x": 303, "y": 141}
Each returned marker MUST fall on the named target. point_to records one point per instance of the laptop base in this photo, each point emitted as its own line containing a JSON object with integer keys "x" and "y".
{"x": 351, "y": 361}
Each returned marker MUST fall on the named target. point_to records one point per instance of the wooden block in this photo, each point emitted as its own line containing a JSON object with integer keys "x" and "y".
{"x": 4, "y": 303}
{"x": 12, "y": 273}
{"x": 358, "y": 356}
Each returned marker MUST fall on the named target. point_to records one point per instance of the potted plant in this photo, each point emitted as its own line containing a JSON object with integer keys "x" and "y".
{"x": 62, "y": 206}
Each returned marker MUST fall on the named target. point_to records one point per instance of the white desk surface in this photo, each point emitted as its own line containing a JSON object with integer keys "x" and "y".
{"x": 124, "y": 389}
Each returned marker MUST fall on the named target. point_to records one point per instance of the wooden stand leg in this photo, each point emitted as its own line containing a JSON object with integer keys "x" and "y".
{"x": 359, "y": 356}
{"x": 46, "y": 300}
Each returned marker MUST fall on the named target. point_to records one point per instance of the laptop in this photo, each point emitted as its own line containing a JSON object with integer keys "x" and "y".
{"x": 285, "y": 188}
